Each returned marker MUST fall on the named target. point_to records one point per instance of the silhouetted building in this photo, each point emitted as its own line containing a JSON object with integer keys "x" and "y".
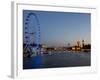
{"x": 82, "y": 43}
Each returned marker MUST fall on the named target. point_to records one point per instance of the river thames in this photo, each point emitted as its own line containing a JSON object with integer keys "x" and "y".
{"x": 57, "y": 60}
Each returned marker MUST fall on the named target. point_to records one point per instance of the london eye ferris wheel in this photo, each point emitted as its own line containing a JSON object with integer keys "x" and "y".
{"x": 31, "y": 32}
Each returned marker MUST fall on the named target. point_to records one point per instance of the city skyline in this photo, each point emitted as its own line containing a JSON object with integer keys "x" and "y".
{"x": 61, "y": 28}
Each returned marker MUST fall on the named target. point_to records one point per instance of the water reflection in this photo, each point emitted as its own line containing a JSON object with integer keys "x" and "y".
{"x": 53, "y": 60}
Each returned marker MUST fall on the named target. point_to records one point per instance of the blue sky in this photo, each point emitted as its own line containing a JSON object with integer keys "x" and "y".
{"x": 61, "y": 28}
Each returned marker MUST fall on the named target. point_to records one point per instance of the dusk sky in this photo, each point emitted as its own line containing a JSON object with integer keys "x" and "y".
{"x": 61, "y": 28}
